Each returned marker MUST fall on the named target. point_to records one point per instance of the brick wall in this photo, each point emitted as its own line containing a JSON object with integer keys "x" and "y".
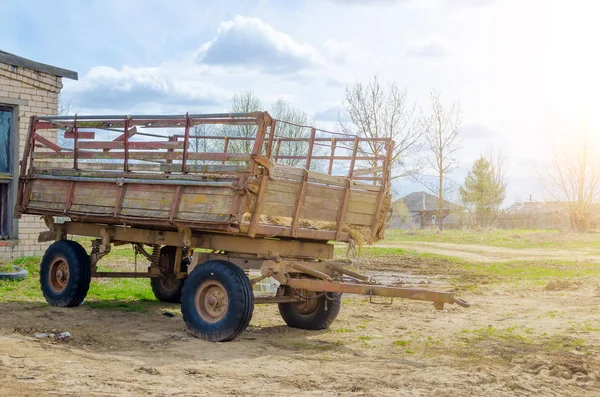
{"x": 32, "y": 93}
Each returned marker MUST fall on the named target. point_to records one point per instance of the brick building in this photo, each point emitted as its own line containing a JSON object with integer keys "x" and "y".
{"x": 26, "y": 88}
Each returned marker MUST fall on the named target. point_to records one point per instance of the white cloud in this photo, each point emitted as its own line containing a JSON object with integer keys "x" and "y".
{"x": 139, "y": 89}
{"x": 249, "y": 42}
{"x": 432, "y": 48}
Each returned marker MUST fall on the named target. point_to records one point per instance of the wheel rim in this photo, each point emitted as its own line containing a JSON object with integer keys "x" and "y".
{"x": 306, "y": 307}
{"x": 211, "y": 301}
{"x": 59, "y": 275}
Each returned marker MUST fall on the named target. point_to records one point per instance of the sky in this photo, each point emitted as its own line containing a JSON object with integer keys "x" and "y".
{"x": 524, "y": 71}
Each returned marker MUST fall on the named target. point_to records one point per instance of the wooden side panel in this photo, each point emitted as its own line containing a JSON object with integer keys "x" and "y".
{"x": 48, "y": 194}
{"x": 321, "y": 203}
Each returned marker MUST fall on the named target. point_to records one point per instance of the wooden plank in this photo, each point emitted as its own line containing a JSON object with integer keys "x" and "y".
{"x": 145, "y": 213}
{"x": 125, "y": 137}
{"x": 119, "y": 201}
{"x": 190, "y": 191}
{"x": 47, "y": 143}
{"x": 92, "y": 209}
{"x": 275, "y": 197}
{"x": 39, "y": 185}
{"x": 56, "y": 197}
{"x": 274, "y": 209}
{"x": 202, "y": 217}
{"x": 146, "y": 156}
{"x": 176, "y": 202}
{"x": 215, "y": 206}
{"x": 368, "y": 171}
{"x": 145, "y": 145}
{"x": 44, "y": 205}
{"x": 300, "y": 200}
{"x": 163, "y": 205}
{"x": 258, "y": 206}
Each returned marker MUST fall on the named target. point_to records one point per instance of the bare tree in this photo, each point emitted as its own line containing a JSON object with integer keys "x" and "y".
{"x": 373, "y": 111}
{"x": 286, "y": 112}
{"x": 574, "y": 177}
{"x": 201, "y": 145}
{"x": 441, "y": 128}
{"x": 243, "y": 102}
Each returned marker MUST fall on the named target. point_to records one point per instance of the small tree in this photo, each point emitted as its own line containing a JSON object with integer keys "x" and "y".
{"x": 373, "y": 111}
{"x": 484, "y": 189}
{"x": 574, "y": 176}
{"x": 441, "y": 128}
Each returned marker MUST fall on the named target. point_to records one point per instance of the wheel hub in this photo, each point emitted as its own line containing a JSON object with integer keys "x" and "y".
{"x": 59, "y": 275}
{"x": 307, "y": 306}
{"x": 211, "y": 301}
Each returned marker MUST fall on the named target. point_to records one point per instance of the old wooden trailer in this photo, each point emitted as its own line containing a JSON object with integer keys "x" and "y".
{"x": 246, "y": 191}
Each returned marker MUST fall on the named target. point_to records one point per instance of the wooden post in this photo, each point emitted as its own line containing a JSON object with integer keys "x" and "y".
{"x": 333, "y": 144}
{"x": 258, "y": 205}
{"x": 344, "y": 207}
{"x": 300, "y": 200}
{"x": 311, "y": 145}
{"x": 186, "y": 143}
{"x": 175, "y": 204}
{"x": 126, "y": 143}
{"x": 226, "y": 145}
{"x": 75, "y": 143}
{"x": 277, "y": 149}
{"x": 271, "y": 137}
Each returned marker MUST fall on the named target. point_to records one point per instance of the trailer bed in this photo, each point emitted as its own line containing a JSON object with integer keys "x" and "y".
{"x": 160, "y": 172}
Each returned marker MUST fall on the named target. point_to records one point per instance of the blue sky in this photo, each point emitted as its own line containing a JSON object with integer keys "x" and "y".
{"x": 524, "y": 71}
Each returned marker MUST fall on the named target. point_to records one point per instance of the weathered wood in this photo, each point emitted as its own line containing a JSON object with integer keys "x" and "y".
{"x": 367, "y": 171}
{"x": 47, "y": 143}
{"x": 146, "y": 156}
{"x": 300, "y": 200}
{"x": 143, "y": 145}
{"x": 258, "y": 207}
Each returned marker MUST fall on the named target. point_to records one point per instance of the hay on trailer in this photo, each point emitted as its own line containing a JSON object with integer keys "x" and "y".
{"x": 359, "y": 234}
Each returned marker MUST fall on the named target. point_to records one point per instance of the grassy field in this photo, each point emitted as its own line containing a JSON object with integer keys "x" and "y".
{"x": 500, "y": 238}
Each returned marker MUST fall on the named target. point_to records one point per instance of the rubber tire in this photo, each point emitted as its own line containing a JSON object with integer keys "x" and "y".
{"x": 239, "y": 293}
{"x": 160, "y": 292}
{"x": 18, "y": 274}
{"x": 319, "y": 319}
{"x": 80, "y": 273}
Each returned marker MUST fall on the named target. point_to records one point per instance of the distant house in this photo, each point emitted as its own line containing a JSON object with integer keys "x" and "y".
{"x": 423, "y": 212}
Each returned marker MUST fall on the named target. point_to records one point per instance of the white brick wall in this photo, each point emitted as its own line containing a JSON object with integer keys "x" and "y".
{"x": 36, "y": 94}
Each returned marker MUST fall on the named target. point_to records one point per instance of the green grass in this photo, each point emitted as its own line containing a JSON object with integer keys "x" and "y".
{"x": 533, "y": 271}
{"x": 517, "y": 238}
{"x": 8, "y": 268}
{"x": 126, "y": 294}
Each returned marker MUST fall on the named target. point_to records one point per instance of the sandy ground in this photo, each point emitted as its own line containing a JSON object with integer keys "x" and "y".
{"x": 512, "y": 341}
{"x": 486, "y": 254}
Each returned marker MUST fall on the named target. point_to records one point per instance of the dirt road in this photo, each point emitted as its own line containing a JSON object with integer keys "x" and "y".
{"x": 512, "y": 341}
{"x": 487, "y": 254}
